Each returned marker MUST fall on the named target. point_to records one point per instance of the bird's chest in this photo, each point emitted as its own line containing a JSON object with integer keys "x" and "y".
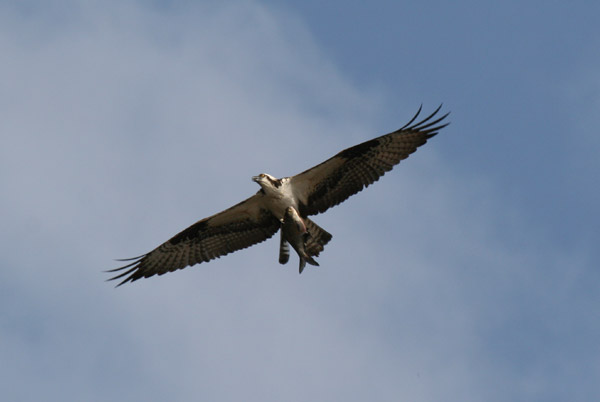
{"x": 277, "y": 202}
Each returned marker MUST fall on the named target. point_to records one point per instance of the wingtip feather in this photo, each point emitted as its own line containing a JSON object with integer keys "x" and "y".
{"x": 426, "y": 125}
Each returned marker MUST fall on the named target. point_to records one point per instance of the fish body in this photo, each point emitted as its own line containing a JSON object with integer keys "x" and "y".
{"x": 294, "y": 232}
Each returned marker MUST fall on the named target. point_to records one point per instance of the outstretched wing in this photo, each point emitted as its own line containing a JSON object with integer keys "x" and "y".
{"x": 353, "y": 169}
{"x": 238, "y": 227}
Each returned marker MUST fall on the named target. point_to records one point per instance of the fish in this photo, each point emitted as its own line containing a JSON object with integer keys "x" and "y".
{"x": 294, "y": 232}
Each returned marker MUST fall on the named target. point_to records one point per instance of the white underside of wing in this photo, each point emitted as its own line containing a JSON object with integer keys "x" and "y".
{"x": 248, "y": 209}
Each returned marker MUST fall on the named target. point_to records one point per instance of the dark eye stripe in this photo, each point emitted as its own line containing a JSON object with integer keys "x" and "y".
{"x": 276, "y": 183}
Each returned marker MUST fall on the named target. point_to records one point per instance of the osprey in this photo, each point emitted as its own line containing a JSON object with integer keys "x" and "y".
{"x": 286, "y": 204}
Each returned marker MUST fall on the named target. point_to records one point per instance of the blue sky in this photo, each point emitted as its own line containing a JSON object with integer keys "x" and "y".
{"x": 470, "y": 272}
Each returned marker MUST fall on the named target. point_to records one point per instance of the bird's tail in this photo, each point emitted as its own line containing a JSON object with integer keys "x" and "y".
{"x": 317, "y": 240}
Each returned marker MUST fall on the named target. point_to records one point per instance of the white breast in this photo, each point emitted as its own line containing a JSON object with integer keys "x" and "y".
{"x": 278, "y": 199}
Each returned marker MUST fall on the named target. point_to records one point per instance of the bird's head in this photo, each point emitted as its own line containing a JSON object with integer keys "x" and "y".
{"x": 267, "y": 182}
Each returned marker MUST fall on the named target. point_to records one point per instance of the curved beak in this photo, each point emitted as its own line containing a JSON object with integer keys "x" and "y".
{"x": 256, "y": 178}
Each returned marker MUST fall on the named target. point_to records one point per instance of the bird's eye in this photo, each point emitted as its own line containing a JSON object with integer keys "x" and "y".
{"x": 262, "y": 175}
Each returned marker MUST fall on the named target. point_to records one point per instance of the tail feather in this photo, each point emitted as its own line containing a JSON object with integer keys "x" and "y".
{"x": 318, "y": 238}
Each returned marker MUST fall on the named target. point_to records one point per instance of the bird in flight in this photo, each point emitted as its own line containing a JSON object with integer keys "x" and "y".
{"x": 286, "y": 204}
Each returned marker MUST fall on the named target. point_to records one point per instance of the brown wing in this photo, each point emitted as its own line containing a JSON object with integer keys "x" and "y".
{"x": 235, "y": 228}
{"x": 353, "y": 169}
